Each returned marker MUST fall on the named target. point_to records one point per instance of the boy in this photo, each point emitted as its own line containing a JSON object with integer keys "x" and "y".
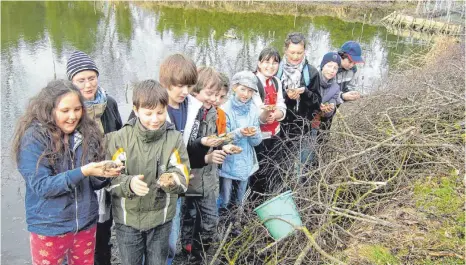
{"x": 201, "y": 198}
{"x": 156, "y": 171}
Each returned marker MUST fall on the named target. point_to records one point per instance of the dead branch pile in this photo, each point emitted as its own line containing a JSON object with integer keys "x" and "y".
{"x": 410, "y": 128}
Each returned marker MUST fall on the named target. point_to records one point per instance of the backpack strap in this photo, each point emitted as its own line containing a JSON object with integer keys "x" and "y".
{"x": 261, "y": 89}
{"x": 306, "y": 75}
{"x": 279, "y": 72}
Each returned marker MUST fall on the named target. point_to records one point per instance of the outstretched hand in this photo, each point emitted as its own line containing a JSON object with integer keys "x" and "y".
{"x": 107, "y": 169}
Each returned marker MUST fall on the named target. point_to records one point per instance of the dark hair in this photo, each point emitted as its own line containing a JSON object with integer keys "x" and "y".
{"x": 343, "y": 55}
{"x": 208, "y": 77}
{"x": 225, "y": 82}
{"x": 269, "y": 52}
{"x": 148, "y": 94}
{"x": 177, "y": 69}
{"x": 41, "y": 110}
{"x": 295, "y": 38}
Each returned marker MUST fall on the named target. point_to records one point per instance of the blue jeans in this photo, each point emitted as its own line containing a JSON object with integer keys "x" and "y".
{"x": 136, "y": 246}
{"x": 174, "y": 233}
{"x": 232, "y": 190}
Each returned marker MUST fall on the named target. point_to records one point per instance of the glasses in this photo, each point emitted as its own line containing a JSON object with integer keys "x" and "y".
{"x": 81, "y": 83}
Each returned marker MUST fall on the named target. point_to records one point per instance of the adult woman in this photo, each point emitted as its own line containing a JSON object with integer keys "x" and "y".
{"x": 56, "y": 147}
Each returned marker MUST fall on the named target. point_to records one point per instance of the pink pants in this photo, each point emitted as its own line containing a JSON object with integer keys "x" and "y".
{"x": 51, "y": 250}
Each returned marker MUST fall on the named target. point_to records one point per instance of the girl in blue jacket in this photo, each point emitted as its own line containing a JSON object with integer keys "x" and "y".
{"x": 56, "y": 147}
{"x": 243, "y": 122}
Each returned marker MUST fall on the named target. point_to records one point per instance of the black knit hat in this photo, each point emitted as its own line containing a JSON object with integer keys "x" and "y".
{"x": 79, "y": 61}
{"x": 330, "y": 57}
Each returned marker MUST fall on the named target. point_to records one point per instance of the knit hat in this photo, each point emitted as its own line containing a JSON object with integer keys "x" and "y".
{"x": 79, "y": 61}
{"x": 330, "y": 57}
{"x": 353, "y": 50}
{"x": 245, "y": 78}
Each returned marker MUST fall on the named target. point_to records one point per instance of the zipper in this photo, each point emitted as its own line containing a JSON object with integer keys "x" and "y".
{"x": 75, "y": 189}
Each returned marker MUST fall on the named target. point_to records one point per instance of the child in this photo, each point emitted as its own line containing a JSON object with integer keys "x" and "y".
{"x": 241, "y": 114}
{"x": 156, "y": 172}
{"x": 270, "y": 94}
{"x": 103, "y": 109}
{"x": 329, "y": 90}
{"x": 203, "y": 192}
{"x": 56, "y": 145}
{"x": 221, "y": 99}
{"x": 347, "y": 76}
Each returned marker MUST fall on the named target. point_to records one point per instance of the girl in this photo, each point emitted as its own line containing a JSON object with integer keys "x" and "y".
{"x": 270, "y": 95}
{"x": 243, "y": 122}
{"x": 56, "y": 146}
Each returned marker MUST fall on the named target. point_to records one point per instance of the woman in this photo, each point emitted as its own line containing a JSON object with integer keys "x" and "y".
{"x": 56, "y": 147}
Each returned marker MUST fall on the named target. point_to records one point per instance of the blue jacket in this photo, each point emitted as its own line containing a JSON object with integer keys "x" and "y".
{"x": 58, "y": 200}
{"x": 239, "y": 115}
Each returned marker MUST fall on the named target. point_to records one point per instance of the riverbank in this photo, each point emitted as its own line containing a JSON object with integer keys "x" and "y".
{"x": 358, "y": 11}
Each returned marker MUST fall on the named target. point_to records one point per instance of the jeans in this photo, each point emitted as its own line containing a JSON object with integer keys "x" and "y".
{"x": 137, "y": 245}
{"x": 307, "y": 154}
{"x": 203, "y": 220}
{"x": 227, "y": 186}
{"x": 174, "y": 232}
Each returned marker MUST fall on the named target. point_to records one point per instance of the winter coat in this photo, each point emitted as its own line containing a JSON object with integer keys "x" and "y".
{"x": 58, "y": 199}
{"x": 148, "y": 153}
{"x": 240, "y": 115}
{"x": 347, "y": 79}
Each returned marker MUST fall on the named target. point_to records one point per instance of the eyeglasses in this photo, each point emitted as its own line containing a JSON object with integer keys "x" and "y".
{"x": 81, "y": 83}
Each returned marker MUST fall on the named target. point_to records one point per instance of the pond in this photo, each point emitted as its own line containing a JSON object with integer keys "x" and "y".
{"x": 128, "y": 42}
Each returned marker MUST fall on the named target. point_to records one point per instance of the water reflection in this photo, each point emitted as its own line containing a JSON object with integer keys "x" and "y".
{"x": 128, "y": 43}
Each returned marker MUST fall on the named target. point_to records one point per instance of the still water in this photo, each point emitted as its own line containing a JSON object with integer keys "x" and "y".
{"x": 128, "y": 41}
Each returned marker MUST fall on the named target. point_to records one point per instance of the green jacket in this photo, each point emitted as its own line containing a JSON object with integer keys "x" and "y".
{"x": 148, "y": 153}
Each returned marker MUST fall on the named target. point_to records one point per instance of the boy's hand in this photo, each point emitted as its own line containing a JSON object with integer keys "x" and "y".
{"x": 138, "y": 186}
{"x": 351, "y": 95}
{"x": 248, "y": 131}
{"x": 326, "y": 108}
{"x": 216, "y": 157}
{"x": 211, "y": 142}
{"x": 300, "y": 90}
{"x": 106, "y": 169}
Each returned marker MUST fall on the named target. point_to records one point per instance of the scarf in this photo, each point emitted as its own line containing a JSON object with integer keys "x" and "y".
{"x": 291, "y": 77}
{"x": 95, "y": 108}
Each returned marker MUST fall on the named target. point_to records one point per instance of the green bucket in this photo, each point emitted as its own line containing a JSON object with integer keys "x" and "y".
{"x": 281, "y": 206}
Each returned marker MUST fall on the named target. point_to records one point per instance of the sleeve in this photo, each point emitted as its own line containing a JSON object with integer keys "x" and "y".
{"x": 256, "y": 100}
{"x": 353, "y": 83}
{"x": 40, "y": 176}
{"x": 120, "y": 186}
{"x": 281, "y": 100}
{"x": 118, "y": 122}
{"x": 196, "y": 152}
{"x": 179, "y": 164}
{"x": 256, "y": 139}
{"x": 235, "y": 131}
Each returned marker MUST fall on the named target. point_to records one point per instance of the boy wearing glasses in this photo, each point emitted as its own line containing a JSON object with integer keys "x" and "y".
{"x": 103, "y": 109}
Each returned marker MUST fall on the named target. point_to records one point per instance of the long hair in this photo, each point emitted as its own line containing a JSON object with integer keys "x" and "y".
{"x": 41, "y": 110}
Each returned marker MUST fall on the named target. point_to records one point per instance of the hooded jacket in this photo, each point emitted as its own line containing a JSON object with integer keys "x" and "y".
{"x": 58, "y": 200}
{"x": 240, "y": 115}
{"x": 148, "y": 153}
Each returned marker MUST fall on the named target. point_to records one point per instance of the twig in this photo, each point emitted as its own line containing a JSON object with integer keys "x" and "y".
{"x": 217, "y": 253}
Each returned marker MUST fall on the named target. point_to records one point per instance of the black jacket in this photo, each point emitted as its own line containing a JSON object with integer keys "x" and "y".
{"x": 111, "y": 119}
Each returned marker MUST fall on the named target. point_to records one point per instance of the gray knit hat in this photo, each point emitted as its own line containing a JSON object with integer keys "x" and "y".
{"x": 79, "y": 61}
{"x": 245, "y": 78}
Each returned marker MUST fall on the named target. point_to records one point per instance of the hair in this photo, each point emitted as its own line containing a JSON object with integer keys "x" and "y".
{"x": 295, "y": 38}
{"x": 178, "y": 69}
{"x": 209, "y": 78}
{"x": 343, "y": 55}
{"x": 225, "y": 82}
{"x": 148, "y": 94}
{"x": 269, "y": 52}
{"x": 41, "y": 109}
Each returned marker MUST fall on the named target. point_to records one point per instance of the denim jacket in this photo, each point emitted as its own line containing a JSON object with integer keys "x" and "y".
{"x": 58, "y": 200}
{"x": 240, "y": 115}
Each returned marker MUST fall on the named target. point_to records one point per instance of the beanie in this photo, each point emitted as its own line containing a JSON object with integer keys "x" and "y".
{"x": 330, "y": 57}
{"x": 78, "y": 62}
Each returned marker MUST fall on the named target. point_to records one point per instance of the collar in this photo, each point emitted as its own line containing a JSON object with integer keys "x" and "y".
{"x": 148, "y": 136}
